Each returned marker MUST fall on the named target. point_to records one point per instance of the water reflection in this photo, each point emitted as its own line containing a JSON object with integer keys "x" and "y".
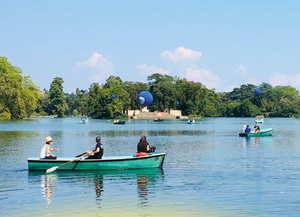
{"x": 87, "y": 180}
{"x": 47, "y": 185}
{"x": 98, "y": 188}
{"x": 142, "y": 184}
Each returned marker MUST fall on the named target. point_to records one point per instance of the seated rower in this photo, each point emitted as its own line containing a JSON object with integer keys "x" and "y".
{"x": 97, "y": 153}
{"x": 248, "y": 129}
{"x": 243, "y": 129}
{"x": 143, "y": 147}
{"x": 256, "y": 128}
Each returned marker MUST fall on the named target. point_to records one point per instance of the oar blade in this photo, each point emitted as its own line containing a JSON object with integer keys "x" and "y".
{"x": 51, "y": 169}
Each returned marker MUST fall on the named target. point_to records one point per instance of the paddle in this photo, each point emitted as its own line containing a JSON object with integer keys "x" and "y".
{"x": 80, "y": 154}
{"x": 55, "y": 168}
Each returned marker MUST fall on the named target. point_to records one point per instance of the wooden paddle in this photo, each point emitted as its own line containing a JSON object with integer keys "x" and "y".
{"x": 55, "y": 168}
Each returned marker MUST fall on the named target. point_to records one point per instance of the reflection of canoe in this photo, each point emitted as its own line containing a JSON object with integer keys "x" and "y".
{"x": 263, "y": 132}
{"x": 153, "y": 160}
{"x": 119, "y": 122}
{"x": 158, "y": 120}
{"x": 86, "y": 173}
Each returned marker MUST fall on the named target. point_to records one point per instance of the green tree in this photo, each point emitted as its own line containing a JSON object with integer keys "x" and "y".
{"x": 163, "y": 90}
{"x": 247, "y": 109}
{"x": 134, "y": 88}
{"x": 58, "y": 104}
{"x": 19, "y": 96}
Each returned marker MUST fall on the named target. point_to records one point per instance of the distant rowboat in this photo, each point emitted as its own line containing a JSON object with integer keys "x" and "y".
{"x": 262, "y": 132}
{"x": 119, "y": 122}
{"x": 83, "y": 120}
{"x": 259, "y": 119}
{"x": 191, "y": 122}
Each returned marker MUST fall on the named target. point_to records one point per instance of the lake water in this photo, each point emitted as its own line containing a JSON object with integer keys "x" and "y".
{"x": 208, "y": 170}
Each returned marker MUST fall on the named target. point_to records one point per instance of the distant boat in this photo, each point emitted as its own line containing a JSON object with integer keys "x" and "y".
{"x": 158, "y": 120}
{"x": 262, "y": 132}
{"x": 191, "y": 121}
{"x": 259, "y": 119}
{"x": 119, "y": 122}
{"x": 83, "y": 120}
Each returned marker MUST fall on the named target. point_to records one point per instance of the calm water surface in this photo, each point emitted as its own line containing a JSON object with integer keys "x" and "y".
{"x": 208, "y": 169}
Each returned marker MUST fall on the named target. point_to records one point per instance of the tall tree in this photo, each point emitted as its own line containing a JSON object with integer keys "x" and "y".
{"x": 19, "y": 96}
{"x": 58, "y": 104}
{"x": 134, "y": 88}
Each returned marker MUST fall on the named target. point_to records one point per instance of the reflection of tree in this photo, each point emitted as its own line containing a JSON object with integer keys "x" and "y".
{"x": 142, "y": 184}
{"x": 47, "y": 184}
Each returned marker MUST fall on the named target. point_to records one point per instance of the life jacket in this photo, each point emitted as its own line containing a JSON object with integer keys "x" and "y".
{"x": 141, "y": 154}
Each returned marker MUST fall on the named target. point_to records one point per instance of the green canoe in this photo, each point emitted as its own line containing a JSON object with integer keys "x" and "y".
{"x": 153, "y": 160}
{"x": 263, "y": 132}
{"x": 191, "y": 122}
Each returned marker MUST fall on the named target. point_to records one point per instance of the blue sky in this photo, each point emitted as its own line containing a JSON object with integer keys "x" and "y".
{"x": 221, "y": 44}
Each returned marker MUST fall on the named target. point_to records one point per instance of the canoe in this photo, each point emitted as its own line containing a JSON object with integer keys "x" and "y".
{"x": 153, "y": 160}
{"x": 263, "y": 132}
{"x": 158, "y": 120}
{"x": 119, "y": 122}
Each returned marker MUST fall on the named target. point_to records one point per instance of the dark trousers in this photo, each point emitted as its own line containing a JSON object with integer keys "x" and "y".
{"x": 50, "y": 157}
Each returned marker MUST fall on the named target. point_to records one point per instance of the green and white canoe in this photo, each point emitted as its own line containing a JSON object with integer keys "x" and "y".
{"x": 263, "y": 132}
{"x": 153, "y": 160}
{"x": 191, "y": 122}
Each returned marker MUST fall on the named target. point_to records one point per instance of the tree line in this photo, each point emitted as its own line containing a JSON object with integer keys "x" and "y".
{"x": 21, "y": 98}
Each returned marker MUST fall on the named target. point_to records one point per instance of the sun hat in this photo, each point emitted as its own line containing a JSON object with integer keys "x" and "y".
{"x": 49, "y": 139}
{"x": 244, "y": 126}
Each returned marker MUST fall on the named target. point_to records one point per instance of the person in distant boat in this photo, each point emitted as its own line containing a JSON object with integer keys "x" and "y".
{"x": 248, "y": 129}
{"x": 256, "y": 128}
{"x": 46, "y": 150}
{"x": 97, "y": 153}
{"x": 244, "y": 129}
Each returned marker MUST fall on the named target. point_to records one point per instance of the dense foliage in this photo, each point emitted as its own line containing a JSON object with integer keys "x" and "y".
{"x": 20, "y": 97}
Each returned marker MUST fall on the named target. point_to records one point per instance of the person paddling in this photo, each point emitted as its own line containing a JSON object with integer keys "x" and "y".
{"x": 97, "y": 153}
{"x": 46, "y": 150}
{"x": 256, "y": 128}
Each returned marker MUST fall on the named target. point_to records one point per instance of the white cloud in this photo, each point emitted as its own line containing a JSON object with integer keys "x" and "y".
{"x": 204, "y": 76}
{"x": 242, "y": 70}
{"x": 280, "y": 79}
{"x": 149, "y": 70}
{"x": 101, "y": 67}
{"x": 252, "y": 81}
{"x": 180, "y": 54}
